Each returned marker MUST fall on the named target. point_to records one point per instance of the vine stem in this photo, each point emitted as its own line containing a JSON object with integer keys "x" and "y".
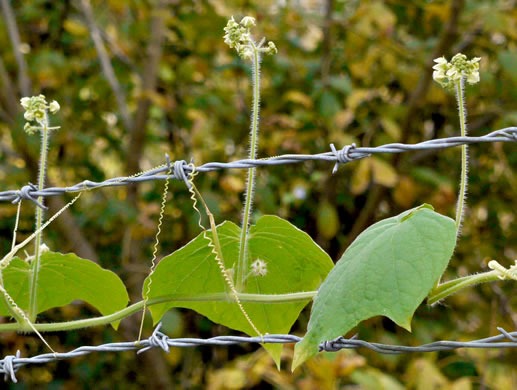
{"x": 453, "y": 286}
{"x": 136, "y": 307}
{"x": 242, "y": 264}
{"x": 33, "y": 304}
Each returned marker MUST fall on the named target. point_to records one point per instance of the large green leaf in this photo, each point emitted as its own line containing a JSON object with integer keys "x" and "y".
{"x": 388, "y": 270}
{"x": 63, "y": 279}
{"x": 294, "y": 263}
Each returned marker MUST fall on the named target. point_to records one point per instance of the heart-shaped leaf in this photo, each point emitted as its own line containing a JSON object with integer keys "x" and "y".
{"x": 63, "y": 279}
{"x": 388, "y": 270}
{"x": 294, "y": 264}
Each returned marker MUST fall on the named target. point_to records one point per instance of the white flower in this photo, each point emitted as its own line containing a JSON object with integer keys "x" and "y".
{"x": 25, "y": 101}
{"x": 248, "y": 21}
{"x": 259, "y": 268}
{"x": 441, "y": 64}
{"x": 454, "y": 74}
{"x": 54, "y": 107}
{"x": 247, "y": 53}
{"x": 28, "y": 115}
{"x": 473, "y": 78}
{"x": 271, "y": 48}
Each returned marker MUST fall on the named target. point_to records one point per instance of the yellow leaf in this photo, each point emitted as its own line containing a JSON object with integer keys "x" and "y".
{"x": 232, "y": 184}
{"x": 383, "y": 173}
{"x": 75, "y": 27}
{"x": 405, "y": 192}
{"x": 423, "y": 374}
{"x": 227, "y": 378}
{"x": 327, "y": 220}
{"x": 361, "y": 177}
{"x": 462, "y": 384}
{"x": 357, "y": 96}
{"x": 342, "y": 119}
{"x": 392, "y": 128}
{"x": 298, "y": 97}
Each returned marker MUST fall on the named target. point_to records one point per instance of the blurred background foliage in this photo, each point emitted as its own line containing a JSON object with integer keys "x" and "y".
{"x": 159, "y": 79}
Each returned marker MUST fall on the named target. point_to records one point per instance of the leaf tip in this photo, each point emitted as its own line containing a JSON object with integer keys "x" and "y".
{"x": 115, "y": 324}
{"x": 405, "y": 323}
{"x": 303, "y": 351}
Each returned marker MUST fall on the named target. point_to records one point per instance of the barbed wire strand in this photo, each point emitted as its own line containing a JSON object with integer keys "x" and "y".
{"x": 12, "y": 363}
{"x": 348, "y": 154}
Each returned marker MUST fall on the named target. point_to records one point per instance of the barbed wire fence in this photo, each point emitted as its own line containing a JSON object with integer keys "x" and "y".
{"x": 10, "y": 364}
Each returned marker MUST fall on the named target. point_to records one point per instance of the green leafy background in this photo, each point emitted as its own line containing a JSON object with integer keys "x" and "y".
{"x": 362, "y": 75}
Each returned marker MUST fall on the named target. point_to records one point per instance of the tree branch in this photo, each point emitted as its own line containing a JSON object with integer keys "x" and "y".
{"x": 154, "y": 54}
{"x": 7, "y": 93}
{"x": 106, "y": 65}
{"x": 14, "y": 36}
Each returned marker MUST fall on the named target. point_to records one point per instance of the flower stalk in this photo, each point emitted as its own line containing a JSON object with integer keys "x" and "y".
{"x": 462, "y": 196}
{"x": 36, "y": 109}
{"x": 238, "y": 36}
{"x": 452, "y": 76}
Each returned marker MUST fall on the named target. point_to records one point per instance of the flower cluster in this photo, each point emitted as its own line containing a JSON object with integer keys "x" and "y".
{"x": 238, "y": 36}
{"x": 448, "y": 74}
{"x": 35, "y": 109}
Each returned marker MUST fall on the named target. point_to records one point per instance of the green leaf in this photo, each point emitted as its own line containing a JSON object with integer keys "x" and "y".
{"x": 388, "y": 270}
{"x": 327, "y": 220}
{"x": 294, "y": 263}
{"x": 508, "y": 59}
{"x": 63, "y": 279}
{"x": 328, "y": 104}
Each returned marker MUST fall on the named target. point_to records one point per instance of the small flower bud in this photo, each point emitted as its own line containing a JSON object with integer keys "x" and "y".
{"x": 28, "y": 115}
{"x": 54, "y": 107}
{"x": 248, "y": 22}
{"x": 25, "y": 102}
{"x": 247, "y": 53}
{"x": 271, "y": 48}
{"x": 29, "y": 129}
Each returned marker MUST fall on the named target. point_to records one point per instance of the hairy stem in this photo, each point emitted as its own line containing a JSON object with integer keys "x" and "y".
{"x": 136, "y": 307}
{"x": 463, "y": 181}
{"x": 453, "y": 286}
{"x": 242, "y": 265}
{"x": 33, "y": 304}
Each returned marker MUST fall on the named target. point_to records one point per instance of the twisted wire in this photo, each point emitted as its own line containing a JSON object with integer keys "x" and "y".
{"x": 181, "y": 169}
{"x": 10, "y": 364}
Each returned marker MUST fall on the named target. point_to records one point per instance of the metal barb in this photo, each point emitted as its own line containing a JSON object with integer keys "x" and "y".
{"x": 180, "y": 173}
{"x": 25, "y": 193}
{"x": 157, "y": 339}
{"x": 507, "y": 335}
{"x": 9, "y": 368}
